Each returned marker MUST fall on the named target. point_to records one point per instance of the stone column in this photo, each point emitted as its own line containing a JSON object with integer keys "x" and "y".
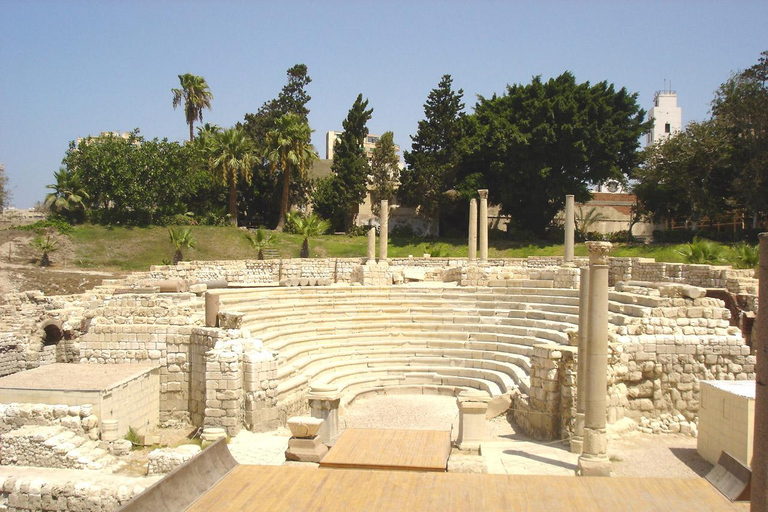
{"x": 324, "y": 404}
{"x": 483, "y": 193}
{"x": 593, "y": 460}
{"x": 577, "y": 441}
{"x": 212, "y": 304}
{"x": 371, "y": 256}
{"x": 472, "y": 229}
{"x": 384, "y": 233}
{"x": 759, "y": 494}
{"x": 569, "y": 229}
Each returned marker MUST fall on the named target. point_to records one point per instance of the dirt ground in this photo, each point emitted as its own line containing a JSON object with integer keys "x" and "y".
{"x": 20, "y": 268}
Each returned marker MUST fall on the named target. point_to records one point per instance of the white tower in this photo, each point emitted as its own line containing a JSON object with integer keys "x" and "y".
{"x": 667, "y": 117}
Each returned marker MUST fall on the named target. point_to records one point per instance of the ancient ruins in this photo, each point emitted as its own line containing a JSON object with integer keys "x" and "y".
{"x": 235, "y": 345}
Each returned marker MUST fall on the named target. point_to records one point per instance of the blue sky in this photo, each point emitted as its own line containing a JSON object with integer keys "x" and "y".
{"x": 76, "y": 68}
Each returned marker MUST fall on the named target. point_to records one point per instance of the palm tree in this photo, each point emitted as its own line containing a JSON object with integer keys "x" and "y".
{"x": 306, "y": 226}
{"x": 45, "y": 245}
{"x": 260, "y": 241}
{"x": 289, "y": 149}
{"x": 196, "y": 95}
{"x": 181, "y": 238}
{"x": 67, "y": 198}
{"x": 232, "y": 156}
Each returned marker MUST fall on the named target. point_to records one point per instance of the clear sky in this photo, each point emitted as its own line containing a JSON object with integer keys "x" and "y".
{"x": 76, "y": 68}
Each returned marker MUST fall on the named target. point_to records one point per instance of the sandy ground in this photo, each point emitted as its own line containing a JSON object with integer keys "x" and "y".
{"x": 632, "y": 453}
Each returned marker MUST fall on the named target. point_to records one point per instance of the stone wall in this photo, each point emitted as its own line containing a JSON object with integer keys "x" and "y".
{"x": 77, "y": 418}
{"x": 56, "y": 490}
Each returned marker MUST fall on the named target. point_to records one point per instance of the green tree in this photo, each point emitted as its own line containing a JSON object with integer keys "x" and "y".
{"x": 68, "y": 197}
{"x": 432, "y": 163}
{"x": 538, "y": 142}
{"x": 686, "y": 177}
{"x": 740, "y": 107}
{"x": 195, "y": 95}
{"x": 181, "y": 239}
{"x": 5, "y": 193}
{"x": 231, "y": 156}
{"x": 307, "y": 226}
{"x": 129, "y": 179}
{"x": 341, "y": 193}
{"x": 385, "y": 170}
{"x": 289, "y": 150}
{"x": 293, "y": 99}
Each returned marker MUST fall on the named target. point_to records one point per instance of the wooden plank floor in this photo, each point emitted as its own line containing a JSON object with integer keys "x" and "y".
{"x": 370, "y": 448}
{"x": 296, "y": 489}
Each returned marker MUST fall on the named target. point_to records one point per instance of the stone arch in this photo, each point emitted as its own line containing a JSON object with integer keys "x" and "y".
{"x": 53, "y": 331}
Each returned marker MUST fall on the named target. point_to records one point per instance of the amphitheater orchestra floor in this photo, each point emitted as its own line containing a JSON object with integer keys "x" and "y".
{"x": 368, "y": 448}
{"x": 295, "y": 489}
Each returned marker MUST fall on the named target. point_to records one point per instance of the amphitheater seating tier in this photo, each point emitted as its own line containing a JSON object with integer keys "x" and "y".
{"x": 367, "y": 339}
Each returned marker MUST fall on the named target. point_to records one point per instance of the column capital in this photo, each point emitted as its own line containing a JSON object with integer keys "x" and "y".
{"x": 483, "y": 193}
{"x": 473, "y": 201}
{"x": 598, "y": 252}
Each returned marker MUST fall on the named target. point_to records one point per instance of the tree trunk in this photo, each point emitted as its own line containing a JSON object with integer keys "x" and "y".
{"x": 232, "y": 209}
{"x": 177, "y": 256}
{"x": 45, "y": 261}
{"x": 284, "y": 200}
{"x": 305, "y": 248}
{"x": 191, "y": 132}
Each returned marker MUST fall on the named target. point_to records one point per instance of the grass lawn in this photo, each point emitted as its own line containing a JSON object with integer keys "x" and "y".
{"x": 136, "y": 248}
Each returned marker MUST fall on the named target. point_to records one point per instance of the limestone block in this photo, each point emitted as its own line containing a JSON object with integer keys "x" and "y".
{"x": 306, "y": 450}
{"x": 304, "y": 426}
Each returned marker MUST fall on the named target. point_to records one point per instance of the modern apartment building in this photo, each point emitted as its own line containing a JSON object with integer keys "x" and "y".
{"x": 368, "y": 144}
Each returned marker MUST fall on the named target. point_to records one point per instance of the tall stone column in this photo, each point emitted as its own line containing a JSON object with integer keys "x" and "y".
{"x": 384, "y": 233}
{"x": 593, "y": 460}
{"x": 371, "y": 256}
{"x": 472, "y": 229}
{"x": 577, "y": 441}
{"x": 483, "y": 193}
{"x": 570, "y": 226}
{"x": 759, "y": 494}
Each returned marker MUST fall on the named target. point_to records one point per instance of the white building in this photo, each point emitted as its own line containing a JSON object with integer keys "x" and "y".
{"x": 667, "y": 117}
{"x": 368, "y": 144}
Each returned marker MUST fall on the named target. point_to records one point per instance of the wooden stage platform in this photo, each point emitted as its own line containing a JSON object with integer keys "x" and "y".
{"x": 296, "y": 489}
{"x": 410, "y": 450}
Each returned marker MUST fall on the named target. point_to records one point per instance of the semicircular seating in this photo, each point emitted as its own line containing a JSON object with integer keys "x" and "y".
{"x": 425, "y": 339}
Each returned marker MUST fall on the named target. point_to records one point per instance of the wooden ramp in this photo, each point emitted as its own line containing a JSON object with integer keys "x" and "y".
{"x": 410, "y": 450}
{"x": 296, "y": 489}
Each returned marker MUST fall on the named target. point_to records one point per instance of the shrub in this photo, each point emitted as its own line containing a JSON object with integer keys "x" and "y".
{"x": 403, "y": 231}
{"x": 41, "y": 226}
{"x": 703, "y": 251}
{"x": 744, "y": 255}
{"x": 623, "y": 236}
{"x": 180, "y": 219}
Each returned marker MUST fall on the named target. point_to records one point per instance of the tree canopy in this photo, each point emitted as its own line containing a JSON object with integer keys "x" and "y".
{"x": 130, "y": 180}
{"x": 538, "y": 142}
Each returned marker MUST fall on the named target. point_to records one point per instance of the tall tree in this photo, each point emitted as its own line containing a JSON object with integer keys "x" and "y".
{"x": 293, "y": 99}
{"x": 343, "y": 191}
{"x": 741, "y": 108}
{"x": 433, "y": 160}
{"x": 538, "y": 142}
{"x": 385, "y": 170}
{"x": 289, "y": 150}
{"x": 195, "y": 95}
{"x": 231, "y": 158}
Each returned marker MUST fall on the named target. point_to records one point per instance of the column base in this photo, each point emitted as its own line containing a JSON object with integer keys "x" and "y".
{"x": 305, "y": 450}
{"x": 594, "y": 466}
{"x": 577, "y": 443}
